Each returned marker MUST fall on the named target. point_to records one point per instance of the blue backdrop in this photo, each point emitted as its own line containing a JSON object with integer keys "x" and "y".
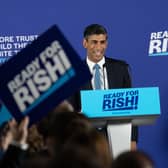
{"x": 129, "y": 23}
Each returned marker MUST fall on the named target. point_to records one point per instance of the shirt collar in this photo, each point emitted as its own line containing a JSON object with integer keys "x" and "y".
{"x": 91, "y": 63}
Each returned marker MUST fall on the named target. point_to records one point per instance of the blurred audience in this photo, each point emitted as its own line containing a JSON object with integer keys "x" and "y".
{"x": 15, "y": 141}
{"x": 85, "y": 149}
{"x": 59, "y": 125}
{"x": 133, "y": 159}
{"x": 4, "y": 137}
{"x": 62, "y": 139}
{"x": 35, "y": 140}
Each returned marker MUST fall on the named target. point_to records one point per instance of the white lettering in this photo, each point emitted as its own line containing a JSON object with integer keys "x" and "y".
{"x": 42, "y": 80}
{"x": 6, "y": 39}
{"x": 38, "y": 76}
{"x": 155, "y": 45}
{"x": 22, "y": 97}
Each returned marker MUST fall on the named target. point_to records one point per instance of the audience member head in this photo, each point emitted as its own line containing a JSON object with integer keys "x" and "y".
{"x": 133, "y": 159}
{"x": 43, "y": 125}
{"x": 59, "y": 125}
{"x": 35, "y": 140}
{"x": 85, "y": 149}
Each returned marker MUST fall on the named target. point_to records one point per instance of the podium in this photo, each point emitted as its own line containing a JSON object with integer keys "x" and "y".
{"x": 118, "y": 110}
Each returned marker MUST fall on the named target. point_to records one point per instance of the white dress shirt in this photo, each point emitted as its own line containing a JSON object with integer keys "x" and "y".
{"x": 103, "y": 72}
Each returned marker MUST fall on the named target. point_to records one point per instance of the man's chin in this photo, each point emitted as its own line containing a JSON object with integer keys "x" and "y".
{"x": 95, "y": 58}
{"x": 98, "y": 58}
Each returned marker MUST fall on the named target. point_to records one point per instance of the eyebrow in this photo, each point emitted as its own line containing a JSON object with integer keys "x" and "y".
{"x": 101, "y": 41}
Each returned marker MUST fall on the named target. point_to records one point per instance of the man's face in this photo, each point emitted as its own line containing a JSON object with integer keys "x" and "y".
{"x": 95, "y": 46}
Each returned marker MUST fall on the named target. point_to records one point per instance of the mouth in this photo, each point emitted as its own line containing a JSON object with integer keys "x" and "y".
{"x": 98, "y": 53}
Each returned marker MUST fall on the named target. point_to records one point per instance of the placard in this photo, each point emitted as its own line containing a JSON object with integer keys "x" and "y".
{"x": 41, "y": 75}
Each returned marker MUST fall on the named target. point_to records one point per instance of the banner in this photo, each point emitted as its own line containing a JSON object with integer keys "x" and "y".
{"x": 41, "y": 75}
{"x": 121, "y": 103}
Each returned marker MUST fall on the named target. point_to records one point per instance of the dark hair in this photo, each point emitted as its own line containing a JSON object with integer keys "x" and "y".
{"x": 64, "y": 124}
{"x": 87, "y": 148}
{"x": 133, "y": 159}
{"x": 43, "y": 125}
{"x": 94, "y": 29}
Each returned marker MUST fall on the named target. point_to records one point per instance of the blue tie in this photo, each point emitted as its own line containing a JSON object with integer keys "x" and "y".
{"x": 97, "y": 79}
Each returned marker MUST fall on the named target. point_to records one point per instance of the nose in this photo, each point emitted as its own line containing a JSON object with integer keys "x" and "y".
{"x": 98, "y": 45}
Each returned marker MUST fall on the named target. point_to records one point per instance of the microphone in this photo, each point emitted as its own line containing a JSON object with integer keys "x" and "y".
{"x": 104, "y": 80}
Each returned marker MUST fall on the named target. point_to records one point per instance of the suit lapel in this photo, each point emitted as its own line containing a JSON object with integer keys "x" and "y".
{"x": 88, "y": 85}
{"x": 110, "y": 73}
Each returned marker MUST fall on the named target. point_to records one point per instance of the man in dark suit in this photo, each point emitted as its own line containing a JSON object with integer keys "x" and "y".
{"x": 113, "y": 73}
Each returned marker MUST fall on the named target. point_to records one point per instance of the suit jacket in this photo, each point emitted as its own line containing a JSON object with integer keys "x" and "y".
{"x": 117, "y": 76}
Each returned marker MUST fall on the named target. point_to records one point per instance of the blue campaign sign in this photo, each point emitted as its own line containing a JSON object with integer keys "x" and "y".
{"x": 42, "y": 75}
{"x": 5, "y": 115}
{"x": 121, "y": 102}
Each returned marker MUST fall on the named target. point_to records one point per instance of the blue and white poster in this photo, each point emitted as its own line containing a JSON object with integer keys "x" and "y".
{"x": 44, "y": 73}
{"x": 121, "y": 103}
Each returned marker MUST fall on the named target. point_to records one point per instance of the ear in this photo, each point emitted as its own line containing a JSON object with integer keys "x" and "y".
{"x": 84, "y": 43}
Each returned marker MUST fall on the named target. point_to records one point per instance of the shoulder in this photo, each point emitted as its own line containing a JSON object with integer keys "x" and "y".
{"x": 115, "y": 61}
